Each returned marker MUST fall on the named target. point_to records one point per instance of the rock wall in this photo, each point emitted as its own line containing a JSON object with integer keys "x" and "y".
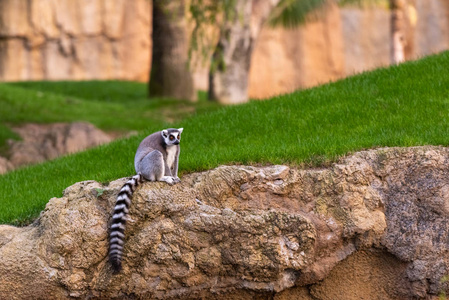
{"x": 432, "y": 30}
{"x": 342, "y": 42}
{"x": 75, "y": 40}
{"x": 366, "y": 46}
{"x": 286, "y": 59}
{"x": 373, "y": 226}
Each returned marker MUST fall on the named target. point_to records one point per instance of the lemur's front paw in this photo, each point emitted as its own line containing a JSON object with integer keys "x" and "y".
{"x": 176, "y": 179}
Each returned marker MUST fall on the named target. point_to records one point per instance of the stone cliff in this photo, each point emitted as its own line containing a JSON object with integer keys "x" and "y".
{"x": 372, "y": 226}
{"x": 73, "y": 40}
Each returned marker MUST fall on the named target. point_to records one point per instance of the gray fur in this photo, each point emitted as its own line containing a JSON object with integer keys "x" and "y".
{"x": 156, "y": 160}
{"x": 151, "y": 156}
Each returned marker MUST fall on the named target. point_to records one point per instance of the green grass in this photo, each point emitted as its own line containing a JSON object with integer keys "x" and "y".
{"x": 5, "y": 135}
{"x": 110, "y": 105}
{"x": 104, "y": 91}
{"x": 404, "y": 105}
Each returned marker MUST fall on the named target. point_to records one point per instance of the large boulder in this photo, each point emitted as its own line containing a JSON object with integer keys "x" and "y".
{"x": 372, "y": 226}
{"x": 40, "y": 142}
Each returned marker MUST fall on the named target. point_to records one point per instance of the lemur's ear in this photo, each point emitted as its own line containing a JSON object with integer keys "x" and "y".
{"x": 180, "y": 130}
{"x": 164, "y": 133}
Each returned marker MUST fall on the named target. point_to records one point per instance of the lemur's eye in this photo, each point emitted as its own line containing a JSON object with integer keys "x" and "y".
{"x": 171, "y": 138}
{"x": 179, "y": 137}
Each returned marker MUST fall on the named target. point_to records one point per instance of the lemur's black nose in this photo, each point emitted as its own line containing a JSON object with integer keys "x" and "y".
{"x": 176, "y": 142}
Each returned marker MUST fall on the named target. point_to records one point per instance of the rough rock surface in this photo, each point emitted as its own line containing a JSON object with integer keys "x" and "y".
{"x": 341, "y": 42}
{"x": 73, "y": 40}
{"x": 372, "y": 226}
{"x": 44, "y": 142}
{"x": 286, "y": 59}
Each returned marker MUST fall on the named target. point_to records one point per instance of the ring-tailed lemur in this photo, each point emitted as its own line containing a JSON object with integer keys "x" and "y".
{"x": 156, "y": 160}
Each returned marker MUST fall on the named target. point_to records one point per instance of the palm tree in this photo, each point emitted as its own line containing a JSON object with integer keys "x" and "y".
{"x": 228, "y": 77}
{"x": 397, "y": 31}
{"x": 239, "y": 22}
{"x": 403, "y": 21}
{"x": 170, "y": 76}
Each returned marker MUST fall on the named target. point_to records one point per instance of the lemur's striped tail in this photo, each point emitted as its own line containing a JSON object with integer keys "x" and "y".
{"x": 117, "y": 230}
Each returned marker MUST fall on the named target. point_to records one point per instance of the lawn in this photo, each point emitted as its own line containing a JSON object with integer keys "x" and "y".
{"x": 404, "y": 105}
{"x": 118, "y": 106}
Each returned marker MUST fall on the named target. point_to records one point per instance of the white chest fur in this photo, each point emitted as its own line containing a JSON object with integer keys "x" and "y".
{"x": 171, "y": 153}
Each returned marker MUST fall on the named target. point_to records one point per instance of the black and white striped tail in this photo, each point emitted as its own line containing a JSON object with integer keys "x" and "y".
{"x": 117, "y": 230}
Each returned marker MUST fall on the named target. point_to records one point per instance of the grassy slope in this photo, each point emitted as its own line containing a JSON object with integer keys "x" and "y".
{"x": 110, "y": 105}
{"x": 36, "y": 104}
{"x": 399, "y": 106}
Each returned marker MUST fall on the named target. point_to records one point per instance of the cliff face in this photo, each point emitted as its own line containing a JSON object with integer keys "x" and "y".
{"x": 374, "y": 225}
{"x": 72, "y": 40}
{"x": 341, "y": 42}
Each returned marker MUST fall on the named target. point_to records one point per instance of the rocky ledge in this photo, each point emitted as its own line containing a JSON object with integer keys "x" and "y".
{"x": 372, "y": 226}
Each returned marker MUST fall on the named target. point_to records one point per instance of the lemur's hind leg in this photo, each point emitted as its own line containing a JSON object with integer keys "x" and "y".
{"x": 152, "y": 167}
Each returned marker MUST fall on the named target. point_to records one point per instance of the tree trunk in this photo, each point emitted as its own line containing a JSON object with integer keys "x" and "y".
{"x": 411, "y": 18}
{"x": 228, "y": 77}
{"x": 170, "y": 75}
{"x": 397, "y": 31}
{"x": 403, "y": 23}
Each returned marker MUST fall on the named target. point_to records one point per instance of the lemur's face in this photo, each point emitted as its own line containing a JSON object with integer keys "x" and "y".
{"x": 172, "y": 136}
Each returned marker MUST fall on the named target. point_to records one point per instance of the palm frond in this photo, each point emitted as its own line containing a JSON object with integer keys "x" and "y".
{"x": 293, "y": 13}
{"x": 362, "y": 3}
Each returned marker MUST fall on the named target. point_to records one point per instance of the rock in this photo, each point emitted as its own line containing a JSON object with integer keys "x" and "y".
{"x": 113, "y": 18}
{"x": 287, "y": 59}
{"x": 66, "y": 40}
{"x": 372, "y": 226}
{"x": 12, "y": 58}
{"x": 5, "y": 165}
{"x": 342, "y": 41}
{"x": 42, "y": 18}
{"x": 368, "y": 46}
{"x": 44, "y": 142}
{"x": 13, "y": 20}
{"x": 437, "y": 12}
{"x": 57, "y": 65}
